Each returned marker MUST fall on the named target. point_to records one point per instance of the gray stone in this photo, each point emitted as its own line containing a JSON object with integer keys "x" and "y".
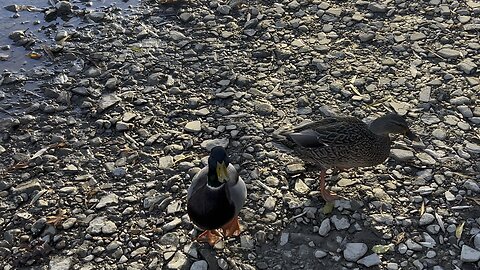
{"x": 179, "y": 261}
{"x": 27, "y": 187}
{"x": 199, "y": 265}
{"x": 354, "y": 251}
{"x": 107, "y": 200}
{"x": 224, "y": 9}
{"x": 324, "y": 227}
{"x": 449, "y": 53}
{"x": 370, "y": 260}
{"x": 295, "y": 168}
{"x": 401, "y": 154}
{"x": 471, "y": 185}
{"x": 417, "y": 36}
{"x": 413, "y": 245}
{"x": 209, "y": 144}
{"x": 60, "y": 263}
{"x": 101, "y": 225}
{"x": 263, "y": 108}
{"x": 467, "y": 66}
{"x": 340, "y": 222}
{"x": 476, "y": 241}
{"x": 108, "y": 101}
{"x": 426, "y": 219}
{"x": 247, "y": 242}
{"x": 469, "y": 254}
{"x": 377, "y": 7}
{"x": 472, "y": 148}
{"x": 165, "y": 162}
{"x": 193, "y": 126}
{"x": 319, "y": 254}
{"x": 425, "y": 93}
{"x": 284, "y": 238}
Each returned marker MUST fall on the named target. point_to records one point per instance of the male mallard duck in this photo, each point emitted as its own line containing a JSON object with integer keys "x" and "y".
{"x": 344, "y": 142}
{"x": 215, "y": 197}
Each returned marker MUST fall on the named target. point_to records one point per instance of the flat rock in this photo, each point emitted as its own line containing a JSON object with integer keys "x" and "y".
{"x": 469, "y": 254}
{"x": 449, "y": 53}
{"x": 354, "y": 251}
{"x": 60, "y": 263}
{"x": 324, "y": 227}
{"x": 340, "y": 222}
{"x": 209, "y": 144}
{"x": 426, "y": 219}
{"x": 193, "y": 126}
{"x": 263, "y": 108}
{"x": 108, "y": 101}
{"x": 109, "y": 199}
{"x": 178, "y": 261}
{"x": 27, "y": 187}
{"x": 199, "y": 265}
{"x": 401, "y": 154}
{"x": 370, "y": 260}
{"x": 101, "y": 225}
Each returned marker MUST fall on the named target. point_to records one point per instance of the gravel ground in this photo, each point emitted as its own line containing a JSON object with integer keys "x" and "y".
{"x": 107, "y": 111}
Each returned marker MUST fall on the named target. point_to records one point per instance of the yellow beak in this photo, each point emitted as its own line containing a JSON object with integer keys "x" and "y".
{"x": 222, "y": 172}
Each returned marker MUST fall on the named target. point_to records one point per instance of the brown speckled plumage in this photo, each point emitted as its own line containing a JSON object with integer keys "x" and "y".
{"x": 344, "y": 142}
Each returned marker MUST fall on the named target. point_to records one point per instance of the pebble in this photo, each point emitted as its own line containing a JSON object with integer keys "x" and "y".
{"x": 60, "y": 263}
{"x": 370, "y": 260}
{"x": 402, "y": 155}
{"x": 179, "y": 261}
{"x": 101, "y": 225}
{"x": 449, "y": 53}
{"x": 107, "y": 200}
{"x": 426, "y": 219}
{"x": 263, "y": 108}
{"x": 324, "y": 227}
{"x": 469, "y": 254}
{"x": 354, "y": 251}
{"x": 193, "y": 126}
{"x": 199, "y": 265}
{"x": 301, "y": 187}
{"x": 319, "y": 254}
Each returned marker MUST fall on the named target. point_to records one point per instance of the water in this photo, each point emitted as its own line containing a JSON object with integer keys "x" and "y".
{"x": 16, "y": 98}
{"x": 36, "y": 24}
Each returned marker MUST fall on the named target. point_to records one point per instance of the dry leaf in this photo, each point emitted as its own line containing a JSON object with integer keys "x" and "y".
{"x": 399, "y": 238}
{"x": 459, "y": 230}
{"x": 58, "y": 218}
{"x": 39, "y": 153}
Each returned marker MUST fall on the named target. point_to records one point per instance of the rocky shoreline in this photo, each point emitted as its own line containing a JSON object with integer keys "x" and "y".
{"x": 108, "y": 110}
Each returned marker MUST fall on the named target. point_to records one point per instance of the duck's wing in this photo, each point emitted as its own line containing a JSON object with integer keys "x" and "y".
{"x": 236, "y": 189}
{"x": 327, "y": 132}
{"x": 199, "y": 180}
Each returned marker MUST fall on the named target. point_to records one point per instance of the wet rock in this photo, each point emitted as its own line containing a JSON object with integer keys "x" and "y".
{"x": 63, "y": 7}
{"x": 354, "y": 251}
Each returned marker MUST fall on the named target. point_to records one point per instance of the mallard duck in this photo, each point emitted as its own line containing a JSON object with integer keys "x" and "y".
{"x": 343, "y": 142}
{"x": 215, "y": 197}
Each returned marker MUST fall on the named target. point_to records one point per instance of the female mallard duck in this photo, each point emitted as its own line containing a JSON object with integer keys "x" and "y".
{"x": 215, "y": 197}
{"x": 344, "y": 142}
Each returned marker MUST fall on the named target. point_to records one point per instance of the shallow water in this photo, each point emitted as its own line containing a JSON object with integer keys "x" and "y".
{"x": 16, "y": 98}
{"x": 35, "y": 23}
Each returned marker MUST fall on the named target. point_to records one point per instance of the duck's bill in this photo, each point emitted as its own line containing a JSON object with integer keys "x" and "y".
{"x": 412, "y": 136}
{"x": 222, "y": 172}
